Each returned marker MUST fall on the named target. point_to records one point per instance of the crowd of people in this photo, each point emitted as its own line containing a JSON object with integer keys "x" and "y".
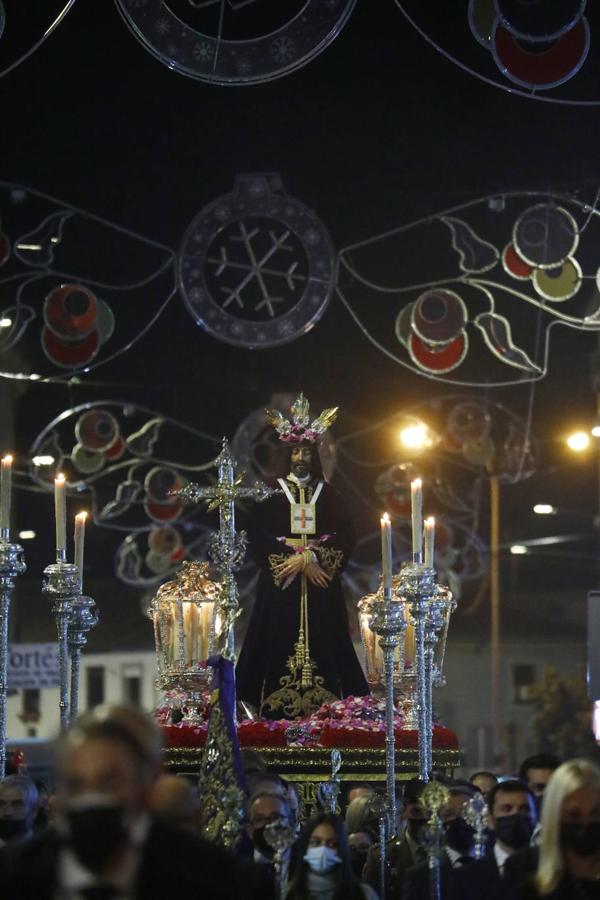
{"x": 116, "y": 827}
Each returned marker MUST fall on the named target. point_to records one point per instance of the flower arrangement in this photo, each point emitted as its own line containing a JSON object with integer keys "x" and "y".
{"x": 354, "y": 722}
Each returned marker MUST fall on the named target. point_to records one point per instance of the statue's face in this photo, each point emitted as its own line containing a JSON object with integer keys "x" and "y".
{"x": 300, "y": 461}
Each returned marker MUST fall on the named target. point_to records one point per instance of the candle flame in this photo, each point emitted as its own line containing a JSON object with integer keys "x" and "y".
{"x": 82, "y": 516}
{"x": 60, "y": 478}
{"x": 385, "y": 519}
{"x": 417, "y": 483}
{"x": 7, "y": 460}
{"x": 430, "y": 522}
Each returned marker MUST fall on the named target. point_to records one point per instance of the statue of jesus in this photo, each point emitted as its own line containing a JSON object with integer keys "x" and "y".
{"x": 298, "y": 653}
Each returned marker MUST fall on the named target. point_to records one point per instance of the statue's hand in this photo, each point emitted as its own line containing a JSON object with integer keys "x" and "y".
{"x": 289, "y": 567}
{"x": 317, "y": 576}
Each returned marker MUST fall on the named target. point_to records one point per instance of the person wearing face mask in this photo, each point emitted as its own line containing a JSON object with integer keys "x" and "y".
{"x": 255, "y": 857}
{"x": 456, "y": 854}
{"x": 536, "y": 772}
{"x": 569, "y": 852}
{"x": 323, "y": 869}
{"x": 512, "y": 817}
{"x": 18, "y": 808}
{"x": 403, "y": 851}
{"x": 360, "y": 843}
{"x": 105, "y": 843}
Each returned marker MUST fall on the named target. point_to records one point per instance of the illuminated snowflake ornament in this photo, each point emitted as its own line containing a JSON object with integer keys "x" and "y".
{"x": 235, "y": 41}
{"x": 256, "y": 267}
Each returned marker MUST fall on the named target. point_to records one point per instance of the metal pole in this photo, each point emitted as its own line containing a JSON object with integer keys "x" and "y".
{"x": 75, "y": 661}
{"x": 11, "y": 565}
{"x": 84, "y": 615}
{"x": 388, "y": 646}
{"x": 5, "y": 596}
{"x": 389, "y": 623}
{"x": 382, "y": 855}
{"x": 62, "y": 614}
{"x": 424, "y": 738}
{"x": 495, "y": 612}
{"x": 61, "y": 585}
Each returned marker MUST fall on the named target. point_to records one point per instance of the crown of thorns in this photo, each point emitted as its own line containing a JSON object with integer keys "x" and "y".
{"x": 300, "y": 429}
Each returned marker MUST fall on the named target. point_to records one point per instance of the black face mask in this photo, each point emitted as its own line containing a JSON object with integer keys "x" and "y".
{"x": 581, "y": 839}
{"x": 41, "y": 819}
{"x": 514, "y": 831}
{"x": 358, "y": 859}
{"x": 459, "y": 835}
{"x": 260, "y": 842}
{"x": 96, "y": 833}
{"x": 415, "y": 828}
{"x": 12, "y": 828}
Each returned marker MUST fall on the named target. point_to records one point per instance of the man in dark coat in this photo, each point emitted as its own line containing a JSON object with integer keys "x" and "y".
{"x": 106, "y": 845}
{"x": 513, "y": 819}
{"x": 456, "y": 855}
{"x": 402, "y": 852}
{"x": 298, "y": 653}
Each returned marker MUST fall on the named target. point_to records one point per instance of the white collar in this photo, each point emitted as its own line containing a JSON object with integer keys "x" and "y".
{"x": 501, "y": 856}
{"x": 454, "y": 855}
{"x": 301, "y": 482}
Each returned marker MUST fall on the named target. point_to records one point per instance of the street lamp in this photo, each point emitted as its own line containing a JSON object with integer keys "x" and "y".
{"x": 578, "y": 441}
{"x": 416, "y": 436}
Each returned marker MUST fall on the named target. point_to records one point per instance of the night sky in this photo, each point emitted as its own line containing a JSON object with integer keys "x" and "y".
{"x": 378, "y": 131}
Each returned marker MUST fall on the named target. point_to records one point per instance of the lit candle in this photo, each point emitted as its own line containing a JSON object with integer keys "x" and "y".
{"x": 79, "y": 542}
{"x": 416, "y": 500}
{"x": 5, "y": 493}
{"x": 429, "y": 541}
{"x": 206, "y": 616}
{"x": 386, "y": 553}
{"x": 189, "y": 612}
{"x": 60, "y": 512}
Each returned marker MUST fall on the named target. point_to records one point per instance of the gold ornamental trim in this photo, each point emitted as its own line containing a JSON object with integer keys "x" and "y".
{"x": 357, "y": 763}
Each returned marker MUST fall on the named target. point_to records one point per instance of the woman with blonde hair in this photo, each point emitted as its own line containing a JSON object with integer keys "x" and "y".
{"x": 569, "y": 855}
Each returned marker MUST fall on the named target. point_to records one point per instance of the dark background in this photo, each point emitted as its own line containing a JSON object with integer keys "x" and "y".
{"x": 377, "y": 131}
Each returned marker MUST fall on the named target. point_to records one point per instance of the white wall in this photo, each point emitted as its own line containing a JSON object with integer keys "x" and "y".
{"x": 116, "y": 666}
{"x": 465, "y": 703}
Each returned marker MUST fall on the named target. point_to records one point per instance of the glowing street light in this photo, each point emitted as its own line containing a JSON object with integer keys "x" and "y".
{"x": 578, "y": 441}
{"x": 416, "y": 436}
{"x": 519, "y": 549}
{"x": 544, "y": 509}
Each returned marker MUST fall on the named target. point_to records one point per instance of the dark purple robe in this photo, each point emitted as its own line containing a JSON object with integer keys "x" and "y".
{"x": 274, "y": 624}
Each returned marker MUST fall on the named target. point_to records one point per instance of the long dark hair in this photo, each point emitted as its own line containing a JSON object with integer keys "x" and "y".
{"x": 348, "y": 887}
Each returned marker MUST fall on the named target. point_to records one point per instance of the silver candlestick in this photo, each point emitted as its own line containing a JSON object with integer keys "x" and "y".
{"x": 61, "y": 586}
{"x": 390, "y": 624}
{"x": 434, "y": 798}
{"x": 476, "y": 813}
{"x": 430, "y": 606}
{"x": 417, "y": 584}
{"x": 84, "y": 615}
{"x": 329, "y": 791}
{"x": 279, "y": 835}
{"x": 12, "y": 564}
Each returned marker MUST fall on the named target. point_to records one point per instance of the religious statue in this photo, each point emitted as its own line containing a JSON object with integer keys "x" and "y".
{"x": 298, "y": 652}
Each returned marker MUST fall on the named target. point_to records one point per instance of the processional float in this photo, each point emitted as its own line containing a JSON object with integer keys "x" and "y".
{"x": 404, "y": 626}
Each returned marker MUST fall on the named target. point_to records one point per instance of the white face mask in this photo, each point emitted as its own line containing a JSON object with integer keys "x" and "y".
{"x": 321, "y": 859}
